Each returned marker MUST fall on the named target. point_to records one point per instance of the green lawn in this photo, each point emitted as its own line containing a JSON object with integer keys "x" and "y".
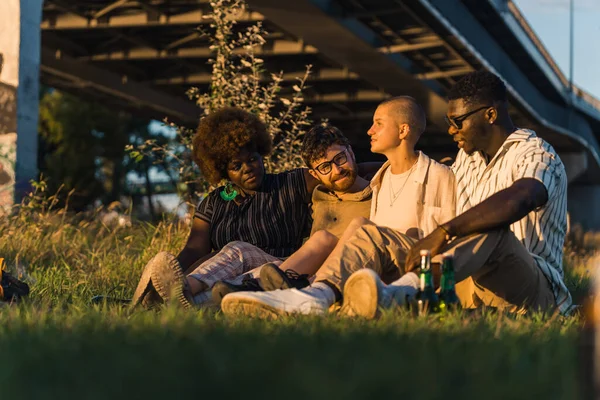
{"x": 57, "y": 345}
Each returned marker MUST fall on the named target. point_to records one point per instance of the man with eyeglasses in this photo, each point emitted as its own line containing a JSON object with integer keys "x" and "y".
{"x": 341, "y": 196}
{"x": 412, "y": 195}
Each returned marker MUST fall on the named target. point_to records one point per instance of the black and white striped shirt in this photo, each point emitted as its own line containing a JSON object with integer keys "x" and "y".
{"x": 275, "y": 218}
{"x": 542, "y": 231}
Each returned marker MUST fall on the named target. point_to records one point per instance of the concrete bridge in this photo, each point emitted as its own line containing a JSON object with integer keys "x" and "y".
{"x": 142, "y": 55}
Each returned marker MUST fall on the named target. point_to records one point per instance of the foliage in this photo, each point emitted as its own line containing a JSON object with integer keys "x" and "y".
{"x": 93, "y": 139}
{"x": 239, "y": 78}
{"x": 67, "y": 127}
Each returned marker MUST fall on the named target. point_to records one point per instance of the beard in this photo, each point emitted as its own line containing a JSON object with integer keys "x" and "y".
{"x": 344, "y": 181}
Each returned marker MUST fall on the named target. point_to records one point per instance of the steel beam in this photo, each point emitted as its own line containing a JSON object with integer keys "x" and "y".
{"x": 375, "y": 13}
{"x": 151, "y": 9}
{"x": 109, "y": 8}
{"x": 277, "y": 48}
{"x": 186, "y": 39}
{"x": 139, "y": 95}
{"x": 322, "y": 75}
{"x": 349, "y": 42}
{"x": 52, "y": 40}
{"x": 444, "y": 74}
{"x": 64, "y": 7}
{"x": 403, "y": 48}
{"x": 72, "y": 20}
{"x": 343, "y": 97}
{"x": 516, "y": 22}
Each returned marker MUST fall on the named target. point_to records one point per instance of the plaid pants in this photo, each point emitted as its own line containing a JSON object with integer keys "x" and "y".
{"x": 236, "y": 261}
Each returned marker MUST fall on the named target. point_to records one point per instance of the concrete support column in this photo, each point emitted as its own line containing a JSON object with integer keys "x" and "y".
{"x": 575, "y": 164}
{"x": 20, "y": 37}
{"x": 583, "y": 203}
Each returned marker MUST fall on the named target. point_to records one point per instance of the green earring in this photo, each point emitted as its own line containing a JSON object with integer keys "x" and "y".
{"x": 228, "y": 193}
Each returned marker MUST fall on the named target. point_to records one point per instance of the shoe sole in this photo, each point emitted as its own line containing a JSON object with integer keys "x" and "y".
{"x": 360, "y": 295}
{"x": 250, "y": 308}
{"x": 167, "y": 278}
{"x": 272, "y": 278}
{"x": 143, "y": 286}
{"x": 218, "y": 291}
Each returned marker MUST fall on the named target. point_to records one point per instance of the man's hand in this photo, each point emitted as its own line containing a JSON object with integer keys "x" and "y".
{"x": 433, "y": 242}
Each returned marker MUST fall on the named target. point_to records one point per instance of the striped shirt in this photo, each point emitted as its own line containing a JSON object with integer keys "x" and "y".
{"x": 274, "y": 219}
{"x": 542, "y": 231}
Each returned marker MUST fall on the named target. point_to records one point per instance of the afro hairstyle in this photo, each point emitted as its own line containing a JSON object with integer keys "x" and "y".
{"x": 222, "y": 134}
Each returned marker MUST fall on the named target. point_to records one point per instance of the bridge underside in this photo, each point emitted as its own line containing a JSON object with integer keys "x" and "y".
{"x": 143, "y": 55}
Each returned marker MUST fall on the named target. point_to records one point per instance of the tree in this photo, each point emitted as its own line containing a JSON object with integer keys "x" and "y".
{"x": 70, "y": 146}
{"x": 240, "y": 79}
{"x": 83, "y": 149}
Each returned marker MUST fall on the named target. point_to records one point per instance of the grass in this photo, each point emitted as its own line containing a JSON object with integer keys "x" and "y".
{"x": 58, "y": 345}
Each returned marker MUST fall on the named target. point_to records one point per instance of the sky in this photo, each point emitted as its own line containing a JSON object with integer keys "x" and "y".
{"x": 550, "y": 20}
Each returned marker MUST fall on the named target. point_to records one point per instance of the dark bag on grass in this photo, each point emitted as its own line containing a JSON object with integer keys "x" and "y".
{"x": 12, "y": 289}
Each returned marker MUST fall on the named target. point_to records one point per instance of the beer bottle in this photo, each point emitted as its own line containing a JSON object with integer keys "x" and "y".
{"x": 448, "y": 298}
{"x": 427, "y": 299}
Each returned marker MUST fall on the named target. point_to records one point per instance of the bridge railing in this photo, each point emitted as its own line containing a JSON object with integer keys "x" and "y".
{"x": 587, "y": 97}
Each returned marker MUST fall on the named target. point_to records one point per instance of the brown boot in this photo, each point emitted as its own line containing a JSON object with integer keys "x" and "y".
{"x": 169, "y": 281}
{"x": 145, "y": 294}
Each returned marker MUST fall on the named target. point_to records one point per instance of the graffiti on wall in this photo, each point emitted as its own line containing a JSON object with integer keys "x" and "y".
{"x": 8, "y": 140}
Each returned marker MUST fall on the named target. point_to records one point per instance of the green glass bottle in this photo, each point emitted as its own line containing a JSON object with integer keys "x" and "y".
{"x": 427, "y": 300}
{"x": 448, "y": 298}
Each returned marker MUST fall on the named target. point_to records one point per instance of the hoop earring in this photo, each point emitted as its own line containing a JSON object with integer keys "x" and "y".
{"x": 228, "y": 193}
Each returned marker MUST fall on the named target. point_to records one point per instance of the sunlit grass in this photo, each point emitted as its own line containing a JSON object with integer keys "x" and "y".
{"x": 58, "y": 345}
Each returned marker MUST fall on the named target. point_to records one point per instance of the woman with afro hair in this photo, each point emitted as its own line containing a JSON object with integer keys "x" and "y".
{"x": 254, "y": 219}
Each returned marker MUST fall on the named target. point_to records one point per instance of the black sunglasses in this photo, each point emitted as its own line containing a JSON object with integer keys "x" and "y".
{"x": 339, "y": 159}
{"x": 457, "y": 121}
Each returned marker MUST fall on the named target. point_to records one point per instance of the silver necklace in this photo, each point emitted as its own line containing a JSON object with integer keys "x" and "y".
{"x": 393, "y": 194}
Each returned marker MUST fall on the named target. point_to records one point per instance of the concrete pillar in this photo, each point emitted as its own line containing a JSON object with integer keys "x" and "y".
{"x": 583, "y": 203}
{"x": 20, "y": 38}
{"x": 575, "y": 164}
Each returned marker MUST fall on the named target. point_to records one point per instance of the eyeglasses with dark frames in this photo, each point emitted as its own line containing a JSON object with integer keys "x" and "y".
{"x": 457, "y": 121}
{"x": 339, "y": 159}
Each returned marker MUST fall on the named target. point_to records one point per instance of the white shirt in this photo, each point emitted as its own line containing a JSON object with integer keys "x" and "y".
{"x": 435, "y": 200}
{"x": 542, "y": 231}
{"x": 396, "y": 203}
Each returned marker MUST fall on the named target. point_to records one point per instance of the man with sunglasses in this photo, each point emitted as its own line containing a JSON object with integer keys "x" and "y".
{"x": 507, "y": 240}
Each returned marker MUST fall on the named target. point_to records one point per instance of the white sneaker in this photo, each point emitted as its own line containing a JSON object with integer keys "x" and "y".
{"x": 274, "y": 303}
{"x": 365, "y": 294}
